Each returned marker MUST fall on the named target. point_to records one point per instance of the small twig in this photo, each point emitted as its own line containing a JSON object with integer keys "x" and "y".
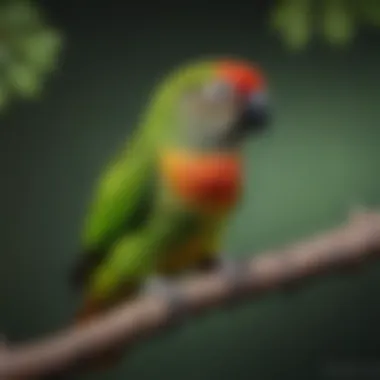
{"x": 350, "y": 245}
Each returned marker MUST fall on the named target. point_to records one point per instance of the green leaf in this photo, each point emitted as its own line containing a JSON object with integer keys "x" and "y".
{"x": 41, "y": 50}
{"x": 338, "y": 22}
{"x": 29, "y": 50}
{"x": 292, "y": 19}
{"x": 18, "y": 14}
{"x": 5, "y": 56}
{"x": 369, "y": 11}
{"x": 24, "y": 81}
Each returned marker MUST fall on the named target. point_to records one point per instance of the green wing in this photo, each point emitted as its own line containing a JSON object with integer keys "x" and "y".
{"x": 122, "y": 201}
{"x": 135, "y": 256}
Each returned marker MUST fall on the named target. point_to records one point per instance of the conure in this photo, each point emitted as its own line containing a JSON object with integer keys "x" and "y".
{"x": 160, "y": 207}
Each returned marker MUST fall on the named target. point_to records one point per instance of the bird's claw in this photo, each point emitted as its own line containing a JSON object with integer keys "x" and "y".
{"x": 232, "y": 269}
{"x": 165, "y": 288}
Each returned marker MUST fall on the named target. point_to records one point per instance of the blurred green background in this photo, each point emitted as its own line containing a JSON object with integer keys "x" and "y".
{"x": 321, "y": 157}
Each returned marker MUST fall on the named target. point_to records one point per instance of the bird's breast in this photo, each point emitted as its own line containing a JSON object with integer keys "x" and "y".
{"x": 211, "y": 181}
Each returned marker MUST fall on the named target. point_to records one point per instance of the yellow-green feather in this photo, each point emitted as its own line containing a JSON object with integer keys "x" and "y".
{"x": 123, "y": 198}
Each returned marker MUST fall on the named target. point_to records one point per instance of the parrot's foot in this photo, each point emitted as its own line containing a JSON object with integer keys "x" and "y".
{"x": 164, "y": 287}
{"x": 208, "y": 264}
{"x": 232, "y": 269}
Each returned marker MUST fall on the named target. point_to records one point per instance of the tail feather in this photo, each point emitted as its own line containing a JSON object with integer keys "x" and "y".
{"x": 86, "y": 263}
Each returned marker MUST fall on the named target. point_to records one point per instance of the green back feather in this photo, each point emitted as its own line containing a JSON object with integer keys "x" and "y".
{"x": 123, "y": 198}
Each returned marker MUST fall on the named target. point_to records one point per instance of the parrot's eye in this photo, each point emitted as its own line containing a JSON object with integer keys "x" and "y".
{"x": 218, "y": 91}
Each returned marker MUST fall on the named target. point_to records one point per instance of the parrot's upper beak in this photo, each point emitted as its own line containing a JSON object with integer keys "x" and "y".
{"x": 255, "y": 115}
{"x": 250, "y": 85}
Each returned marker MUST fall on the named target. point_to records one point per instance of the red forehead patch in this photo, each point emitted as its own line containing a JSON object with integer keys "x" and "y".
{"x": 245, "y": 77}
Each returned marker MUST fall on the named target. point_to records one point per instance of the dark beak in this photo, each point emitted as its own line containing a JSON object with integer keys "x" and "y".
{"x": 256, "y": 115}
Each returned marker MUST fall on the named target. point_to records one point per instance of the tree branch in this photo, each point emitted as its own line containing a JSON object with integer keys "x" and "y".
{"x": 346, "y": 247}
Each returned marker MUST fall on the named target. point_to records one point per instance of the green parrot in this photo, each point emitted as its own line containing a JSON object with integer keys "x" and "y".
{"x": 162, "y": 203}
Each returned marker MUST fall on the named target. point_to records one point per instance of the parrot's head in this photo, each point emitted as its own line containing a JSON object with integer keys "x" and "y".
{"x": 227, "y": 108}
{"x": 214, "y": 105}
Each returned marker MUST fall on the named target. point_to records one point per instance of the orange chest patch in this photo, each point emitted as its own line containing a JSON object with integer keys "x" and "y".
{"x": 209, "y": 181}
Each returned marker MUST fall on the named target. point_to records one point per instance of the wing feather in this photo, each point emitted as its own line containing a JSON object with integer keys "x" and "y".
{"x": 121, "y": 203}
